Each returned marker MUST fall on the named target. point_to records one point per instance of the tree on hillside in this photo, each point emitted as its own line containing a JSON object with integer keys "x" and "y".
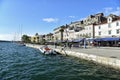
{"x": 36, "y": 34}
{"x": 26, "y": 39}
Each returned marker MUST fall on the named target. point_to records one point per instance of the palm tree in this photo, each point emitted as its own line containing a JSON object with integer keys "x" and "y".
{"x": 61, "y": 32}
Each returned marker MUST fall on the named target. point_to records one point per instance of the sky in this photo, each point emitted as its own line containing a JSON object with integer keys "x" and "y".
{"x": 18, "y": 17}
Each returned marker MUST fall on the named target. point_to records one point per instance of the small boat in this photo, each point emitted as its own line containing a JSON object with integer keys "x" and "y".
{"x": 47, "y": 50}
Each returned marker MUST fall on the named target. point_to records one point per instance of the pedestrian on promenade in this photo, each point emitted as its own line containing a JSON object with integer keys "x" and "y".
{"x": 93, "y": 44}
{"x": 64, "y": 45}
{"x": 55, "y": 45}
{"x": 80, "y": 44}
{"x": 70, "y": 45}
{"x": 98, "y": 44}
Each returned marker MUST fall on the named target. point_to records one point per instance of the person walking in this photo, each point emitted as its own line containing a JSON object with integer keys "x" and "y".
{"x": 55, "y": 45}
{"x": 70, "y": 45}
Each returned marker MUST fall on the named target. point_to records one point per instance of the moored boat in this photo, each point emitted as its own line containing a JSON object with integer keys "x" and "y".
{"x": 47, "y": 50}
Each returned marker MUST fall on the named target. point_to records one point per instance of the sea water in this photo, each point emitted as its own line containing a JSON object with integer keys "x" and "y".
{"x": 23, "y": 63}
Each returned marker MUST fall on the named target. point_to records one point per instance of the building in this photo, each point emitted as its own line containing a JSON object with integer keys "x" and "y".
{"x": 94, "y": 19}
{"x": 86, "y": 32}
{"x": 109, "y": 28}
{"x": 49, "y": 37}
{"x": 84, "y": 28}
{"x": 58, "y": 34}
{"x": 71, "y": 29}
{"x": 92, "y": 27}
{"x": 36, "y": 38}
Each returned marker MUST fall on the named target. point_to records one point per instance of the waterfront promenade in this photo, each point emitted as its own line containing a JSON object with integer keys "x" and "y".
{"x": 110, "y": 52}
{"x": 109, "y": 56}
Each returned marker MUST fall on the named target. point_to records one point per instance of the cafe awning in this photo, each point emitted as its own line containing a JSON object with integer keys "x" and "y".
{"x": 78, "y": 40}
{"x": 107, "y": 39}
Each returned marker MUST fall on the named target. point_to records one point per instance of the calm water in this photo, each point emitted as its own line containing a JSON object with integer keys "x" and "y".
{"x": 23, "y": 63}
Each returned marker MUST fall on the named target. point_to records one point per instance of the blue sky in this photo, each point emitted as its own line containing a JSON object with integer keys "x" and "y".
{"x": 42, "y": 16}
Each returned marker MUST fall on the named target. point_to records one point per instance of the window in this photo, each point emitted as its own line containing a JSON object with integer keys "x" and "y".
{"x": 117, "y": 24}
{"x": 109, "y": 20}
{"x": 99, "y": 33}
{"x": 109, "y": 32}
{"x": 109, "y": 25}
{"x": 89, "y": 34}
{"x": 117, "y": 31}
{"x": 99, "y": 27}
{"x": 89, "y": 27}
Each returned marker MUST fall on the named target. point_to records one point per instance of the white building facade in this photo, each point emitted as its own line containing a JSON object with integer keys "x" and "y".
{"x": 100, "y": 27}
{"x": 109, "y": 29}
{"x": 87, "y": 32}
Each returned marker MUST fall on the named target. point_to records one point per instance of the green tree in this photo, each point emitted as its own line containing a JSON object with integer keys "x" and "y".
{"x": 36, "y": 34}
{"x": 26, "y": 39}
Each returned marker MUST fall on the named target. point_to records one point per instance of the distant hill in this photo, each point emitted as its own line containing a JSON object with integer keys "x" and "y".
{"x": 4, "y": 41}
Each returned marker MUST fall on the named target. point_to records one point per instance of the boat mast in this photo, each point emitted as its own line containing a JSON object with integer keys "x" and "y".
{"x": 21, "y": 33}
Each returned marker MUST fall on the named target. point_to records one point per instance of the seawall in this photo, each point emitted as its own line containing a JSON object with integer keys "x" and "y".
{"x": 111, "y": 62}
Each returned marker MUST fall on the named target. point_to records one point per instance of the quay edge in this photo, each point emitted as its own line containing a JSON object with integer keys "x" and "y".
{"x": 111, "y": 62}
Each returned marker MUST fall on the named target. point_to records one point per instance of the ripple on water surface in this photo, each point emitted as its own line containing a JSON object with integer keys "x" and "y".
{"x": 23, "y": 63}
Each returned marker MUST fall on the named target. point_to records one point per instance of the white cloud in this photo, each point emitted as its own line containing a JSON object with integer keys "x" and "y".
{"x": 71, "y": 16}
{"x": 50, "y": 19}
{"x": 82, "y": 19}
{"x": 9, "y": 37}
{"x": 110, "y": 10}
{"x": 117, "y": 11}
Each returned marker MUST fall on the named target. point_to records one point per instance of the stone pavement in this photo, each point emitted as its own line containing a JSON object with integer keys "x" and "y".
{"x": 111, "y": 52}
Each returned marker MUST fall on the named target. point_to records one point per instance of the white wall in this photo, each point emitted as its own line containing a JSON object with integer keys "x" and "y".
{"x": 87, "y": 30}
{"x": 104, "y": 29}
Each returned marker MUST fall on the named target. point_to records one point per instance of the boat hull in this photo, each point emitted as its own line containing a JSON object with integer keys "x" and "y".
{"x": 47, "y": 52}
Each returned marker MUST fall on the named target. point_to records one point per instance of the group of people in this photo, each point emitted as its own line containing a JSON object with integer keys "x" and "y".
{"x": 67, "y": 45}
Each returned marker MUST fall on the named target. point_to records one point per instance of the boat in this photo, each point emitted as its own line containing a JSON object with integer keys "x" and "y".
{"x": 46, "y": 50}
